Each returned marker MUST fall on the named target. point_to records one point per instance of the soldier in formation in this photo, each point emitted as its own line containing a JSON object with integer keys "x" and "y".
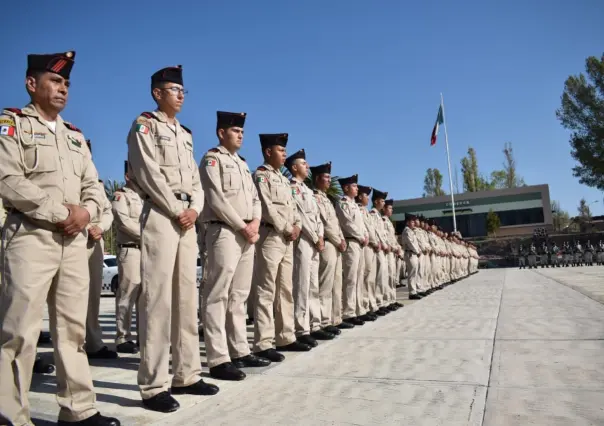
{"x": 127, "y": 206}
{"x": 521, "y": 257}
{"x": 544, "y": 255}
{"x": 44, "y": 244}
{"x": 532, "y": 256}
{"x": 307, "y": 265}
{"x": 555, "y": 255}
{"x": 589, "y": 253}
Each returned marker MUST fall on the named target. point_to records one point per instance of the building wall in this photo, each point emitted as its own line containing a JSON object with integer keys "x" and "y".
{"x": 520, "y": 210}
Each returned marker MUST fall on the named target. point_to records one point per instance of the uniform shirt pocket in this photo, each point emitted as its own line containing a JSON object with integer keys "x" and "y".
{"x": 231, "y": 181}
{"x": 40, "y": 154}
{"x": 166, "y": 152}
{"x": 77, "y": 158}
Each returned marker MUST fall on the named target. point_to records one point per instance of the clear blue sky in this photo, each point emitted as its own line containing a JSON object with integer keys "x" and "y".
{"x": 355, "y": 82}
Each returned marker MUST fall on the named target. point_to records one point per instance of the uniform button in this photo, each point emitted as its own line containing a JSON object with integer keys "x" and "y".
{"x": 54, "y": 219}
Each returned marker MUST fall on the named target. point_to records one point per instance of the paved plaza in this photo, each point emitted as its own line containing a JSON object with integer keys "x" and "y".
{"x": 503, "y": 347}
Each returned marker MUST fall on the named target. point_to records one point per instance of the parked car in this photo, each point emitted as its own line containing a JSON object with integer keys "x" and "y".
{"x": 110, "y": 279}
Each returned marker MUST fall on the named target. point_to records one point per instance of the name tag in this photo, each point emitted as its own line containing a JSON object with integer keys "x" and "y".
{"x": 229, "y": 166}
{"x": 164, "y": 138}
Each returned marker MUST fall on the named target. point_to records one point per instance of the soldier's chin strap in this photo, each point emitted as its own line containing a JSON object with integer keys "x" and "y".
{"x": 21, "y": 137}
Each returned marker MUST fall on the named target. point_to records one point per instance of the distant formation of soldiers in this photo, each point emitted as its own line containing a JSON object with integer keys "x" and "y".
{"x": 307, "y": 266}
{"x": 568, "y": 255}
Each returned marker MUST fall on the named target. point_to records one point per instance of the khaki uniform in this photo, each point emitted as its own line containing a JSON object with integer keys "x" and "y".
{"x": 2, "y": 214}
{"x": 394, "y": 247}
{"x": 381, "y": 260}
{"x": 127, "y": 208}
{"x": 161, "y": 159}
{"x": 307, "y": 309}
{"x": 412, "y": 256}
{"x": 330, "y": 264}
{"x": 231, "y": 202}
{"x": 96, "y": 250}
{"x": 370, "y": 259}
{"x": 40, "y": 169}
{"x": 353, "y": 262}
{"x": 273, "y": 288}
{"x": 424, "y": 246}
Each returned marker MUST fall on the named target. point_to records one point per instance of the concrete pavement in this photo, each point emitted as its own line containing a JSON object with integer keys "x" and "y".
{"x": 503, "y": 347}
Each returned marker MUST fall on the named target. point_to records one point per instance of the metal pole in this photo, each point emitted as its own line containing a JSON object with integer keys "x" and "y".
{"x": 442, "y": 105}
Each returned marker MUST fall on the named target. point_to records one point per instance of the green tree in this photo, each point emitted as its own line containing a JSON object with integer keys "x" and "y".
{"x": 582, "y": 112}
{"x": 584, "y": 217}
{"x": 561, "y": 218}
{"x": 493, "y": 223}
{"x": 507, "y": 177}
{"x": 472, "y": 179}
{"x": 110, "y": 235}
{"x": 433, "y": 183}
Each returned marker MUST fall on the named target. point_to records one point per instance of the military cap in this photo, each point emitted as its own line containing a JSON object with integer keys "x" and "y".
{"x": 168, "y": 75}
{"x": 348, "y": 180}
{"x": 271, "y": 139}
{"x": 289, "y": 161}
{"x": 365, "y": 189}
{"x": 58, "y": 63}
{"x": 378, "y": 195}
{"x": 229, "y": 119}
{"x": 323, "y": 168}
{"x": 389, "y": 202}
{"x": 410, "y": 217}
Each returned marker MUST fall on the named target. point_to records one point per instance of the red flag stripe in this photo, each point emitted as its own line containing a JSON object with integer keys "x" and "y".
{"x": 433, "y": 138}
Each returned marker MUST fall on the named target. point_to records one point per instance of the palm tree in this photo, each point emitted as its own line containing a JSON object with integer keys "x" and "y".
{"x": 110, "y": 235}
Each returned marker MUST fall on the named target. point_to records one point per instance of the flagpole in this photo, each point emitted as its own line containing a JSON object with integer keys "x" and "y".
{"x": 442, "y": 105}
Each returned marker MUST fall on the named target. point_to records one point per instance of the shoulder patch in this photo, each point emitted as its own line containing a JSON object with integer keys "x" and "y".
{"x": 343, "y": 199}
{"x": 186, "y": 129}
{"x": 7, "y": 121}
{"x": 116, "y": 196}
{"x": 213, "y": 150}
{"x": 242, "y": 158}
{"x": 14, "y": 111}
{"x": 262, "y": 169}
{"x": 72, "y": 127}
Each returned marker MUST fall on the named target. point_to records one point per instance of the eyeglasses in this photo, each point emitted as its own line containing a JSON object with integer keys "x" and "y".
{"x": 176, "y": 90}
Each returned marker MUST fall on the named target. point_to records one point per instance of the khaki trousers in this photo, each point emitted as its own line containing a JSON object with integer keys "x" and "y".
{"x": 352, "y": 276}
{"x": 392, "y": 277}
{"x": 330, "y": 273}
{"x": 381, "y": 278}
{"x": 40, "y": 266}
{"x": 412, "y": 272}
{"x": 94, "y": 332}
{"x": 369, "y": 282}
{"x": 274, "y": 303}
{"x": 230, "y": 266}
{"x": 168, "y": 304}
{"x": 307, "y": 308}
{"x": 423, "y": 278}
{"x": 128, "y": 291}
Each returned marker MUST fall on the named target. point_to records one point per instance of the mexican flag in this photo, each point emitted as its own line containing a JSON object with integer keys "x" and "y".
{"x": 439, "y": 121}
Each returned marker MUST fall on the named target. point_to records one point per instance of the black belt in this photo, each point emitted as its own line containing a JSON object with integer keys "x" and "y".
{"x": 268, "y": 225}
{"x": 182, "y": 196}
{"x": 351, "y": 238}
{"x": 130, "y": 245}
